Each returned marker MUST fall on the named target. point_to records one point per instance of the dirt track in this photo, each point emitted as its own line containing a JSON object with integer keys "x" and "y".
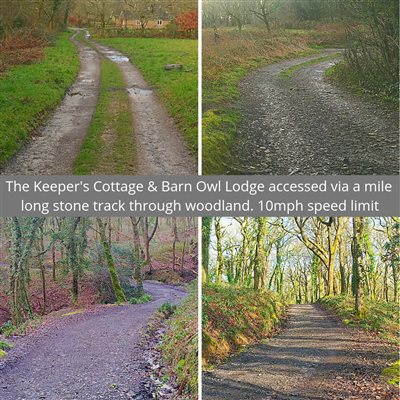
{"x": 87, "y": 356}
{"x": 305, "y": 125}
{"x": 161, "y": 149}
{"x": 53, "y": 149}
{"x": 313, "y": 357}
{"x": 160, "y": 146}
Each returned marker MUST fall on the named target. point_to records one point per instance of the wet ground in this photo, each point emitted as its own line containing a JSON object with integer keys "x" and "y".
{"x": 54, "y": 147}
{"x": 94, "y": 355}
{"x": 305, "y": 125}
{"x": 161, "y": 149}
{"x": 313, "y": 357}
{"x": 160, "y": 146}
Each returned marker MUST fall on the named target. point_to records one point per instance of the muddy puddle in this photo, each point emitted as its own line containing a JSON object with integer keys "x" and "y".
{"x": 135, "y": 90}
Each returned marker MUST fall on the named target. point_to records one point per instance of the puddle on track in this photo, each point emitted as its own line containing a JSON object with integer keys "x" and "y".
{"x": 117, "y": 58}
{"x": 139, "y": 91}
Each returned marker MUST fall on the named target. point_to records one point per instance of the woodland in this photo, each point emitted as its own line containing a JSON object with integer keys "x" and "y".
{"x": 52, "y": 263}
{"x": 131, "y": 278}
{"x": 253, "y": 268}
{"x": 240, "y": 37}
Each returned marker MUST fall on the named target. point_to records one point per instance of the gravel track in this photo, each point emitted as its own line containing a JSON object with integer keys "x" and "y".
{"x": 54, "y": 147}
{"x": 313, "y": 357}
{"x": 94, "y": 355}
{"x": 161, "y": 148}
{"x": 305, "y": 125}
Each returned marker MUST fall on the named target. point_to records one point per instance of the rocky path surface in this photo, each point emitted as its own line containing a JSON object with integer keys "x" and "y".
{"x": 313, "y": 357}
{"x": 305, "y": 125}
{"x": 53, "y": 149}
{"x": 94, "y": 355}
{"x": 161, "y": 148}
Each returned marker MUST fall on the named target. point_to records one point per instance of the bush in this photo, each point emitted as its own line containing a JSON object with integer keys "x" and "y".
{"x": 145, "y": 298}
{"x": 5, "y": 346}
{"x": 167, "y": 309}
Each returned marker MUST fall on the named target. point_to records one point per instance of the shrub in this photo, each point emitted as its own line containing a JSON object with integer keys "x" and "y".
{"x": 167, "y": 309}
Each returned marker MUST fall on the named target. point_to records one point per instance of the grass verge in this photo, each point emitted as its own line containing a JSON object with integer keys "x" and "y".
{"x": 28, "y": 93}
{"x": 380, "y": 317}
{"x": 109, "y": 146}
{"x": 234, "y": 318}
{"x": 289, "y": 72}
{"x": 179, "y": 346}
{"x": 227, "y": 61}
{"x": 176, "y": 88}
{"x": 343, "y": 75}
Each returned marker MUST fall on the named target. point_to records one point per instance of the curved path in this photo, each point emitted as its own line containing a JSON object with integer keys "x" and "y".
{"x": 304, "y": 125}
{"x": 53, "y": 149}
{"x": 313, "y": 357}
{"x": 90, "y": 356}
{"x": 161, "y": 148}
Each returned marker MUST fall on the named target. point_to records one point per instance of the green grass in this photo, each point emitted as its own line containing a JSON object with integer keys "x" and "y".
{"x": 343, "y": 75}
{"x": 28, "y": 93}
{"x": 392, "y": 373}
{"x": 180, "y": 343}
{"x": 289, "y": 72}
{"x": 176, "y": 88}
{"x": 109, "y": 146}
{"x": 380, "y": 317}
{"x": 235, "y": 317}
{"x": 5, "y": 345}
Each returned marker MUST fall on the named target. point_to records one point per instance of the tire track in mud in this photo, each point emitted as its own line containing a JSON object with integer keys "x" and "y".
{"x": 54, "y": 147}
{"x": 89, "y": 356}
{"x": 160, "y": 146}
{"x": 313, "y": 357}
{"x": 306, "y": 126}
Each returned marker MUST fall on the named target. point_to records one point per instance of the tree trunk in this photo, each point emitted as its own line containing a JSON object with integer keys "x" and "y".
{"x": 119, "y": 293}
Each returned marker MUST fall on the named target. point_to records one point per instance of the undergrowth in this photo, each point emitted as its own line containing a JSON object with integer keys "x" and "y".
{"x": 379, "y": 317}
{"x": 179, "y": 346}
{"x": 234, "y": 317}
{"x": 28, "y": 93}
{"x": 144, "y": 298}
{"x": 343, "y": 75}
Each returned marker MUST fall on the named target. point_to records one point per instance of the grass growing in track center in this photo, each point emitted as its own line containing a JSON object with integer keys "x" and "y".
{"x": 109, "y": 146}
{"x": 177, "y": 89}
{"x": 28, "y": 93}
{"x": 228, "y": 60}
{"x": 289, "y": 72}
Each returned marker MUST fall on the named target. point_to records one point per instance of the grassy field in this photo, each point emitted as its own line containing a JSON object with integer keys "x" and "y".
{"x": 380, "y": 317}
{"x": 176, "y": 88}
{"x": 109, "y": 147}
{"x": 28, "y": 93}
{"x": 235, "y": 317}
{"x": 227, "y": 61}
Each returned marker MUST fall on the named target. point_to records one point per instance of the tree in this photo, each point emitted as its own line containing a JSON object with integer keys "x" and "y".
{"x": 218, "y": 235}
{"x": 263, "y": 9}
{"x": 206, "y": 236}
{"x": 119, "y": 293}
{"x": 137, "y": 257}
{"x": 358, "y": 265}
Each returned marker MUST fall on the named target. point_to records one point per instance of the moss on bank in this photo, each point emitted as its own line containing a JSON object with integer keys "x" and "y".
{"x": 236, "y": 317}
